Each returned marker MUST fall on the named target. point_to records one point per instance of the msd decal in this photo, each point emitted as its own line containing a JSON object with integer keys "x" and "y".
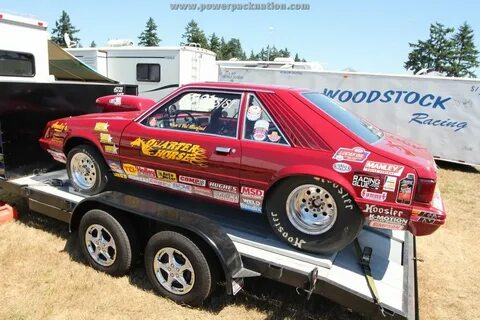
{"x": 192, "y": 181}
{"x": 252, "y": 192}
{"x": 356, "y": 154}
{"x": 383, "y": 168}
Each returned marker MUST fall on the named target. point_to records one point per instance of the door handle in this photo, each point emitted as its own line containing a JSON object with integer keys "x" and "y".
{"x": 223, "y": 150}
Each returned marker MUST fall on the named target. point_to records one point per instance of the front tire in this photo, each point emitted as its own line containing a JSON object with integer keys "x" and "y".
{"x": 177, "y": 268}
{"x": 313, "y": 214}
{"x": 87, "y": 170}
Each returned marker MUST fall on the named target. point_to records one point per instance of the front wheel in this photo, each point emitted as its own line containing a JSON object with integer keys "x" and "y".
{"x": 313, "y": 214}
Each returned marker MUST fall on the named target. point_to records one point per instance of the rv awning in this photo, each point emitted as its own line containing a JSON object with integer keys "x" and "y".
{"x": 66, "y": 67}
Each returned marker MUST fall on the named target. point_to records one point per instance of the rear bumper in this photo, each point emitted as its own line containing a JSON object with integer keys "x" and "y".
{"x": 424, "y": 221}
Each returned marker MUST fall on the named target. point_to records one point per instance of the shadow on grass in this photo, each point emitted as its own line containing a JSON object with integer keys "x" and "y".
{"x": 457, "y": 167}
{"x": 276, "y": 300}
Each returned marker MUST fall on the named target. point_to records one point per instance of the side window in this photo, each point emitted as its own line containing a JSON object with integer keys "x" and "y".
{"x": 16, "y": 64}
{"x": 203, "y": 112}
{"x": 148, "y": 72}
{"x": 259, "y": 126}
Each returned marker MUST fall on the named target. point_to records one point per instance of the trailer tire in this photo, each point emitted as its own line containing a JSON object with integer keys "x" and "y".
{"x": 108, "y": 243}
{"x": 87, "y": 170}
{"x": 178, "y": 269}
{"x": 313, "y": 214}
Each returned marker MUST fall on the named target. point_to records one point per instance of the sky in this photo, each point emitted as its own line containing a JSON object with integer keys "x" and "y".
{"x": 368, "y": 35}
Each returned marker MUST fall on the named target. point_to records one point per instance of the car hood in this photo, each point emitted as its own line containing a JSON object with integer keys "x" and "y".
{"x": 409, "y": 153}
{"x": 130, "y": 115}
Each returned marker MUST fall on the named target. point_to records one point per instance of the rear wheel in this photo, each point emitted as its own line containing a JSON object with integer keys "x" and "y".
{"x": 314, "y": 215}
{"x": 177, "y": 268}
{"x": 87, "y": 170}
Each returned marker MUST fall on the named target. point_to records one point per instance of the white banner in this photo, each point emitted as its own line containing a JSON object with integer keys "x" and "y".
{"x": 442, "y": 114}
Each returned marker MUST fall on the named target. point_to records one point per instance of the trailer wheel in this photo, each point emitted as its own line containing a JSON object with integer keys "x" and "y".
{"x": 314, "y": 215}
{"x": 177, "y": 268}
{"x": 87, "y": 170}
{"x": 108, "y": 245}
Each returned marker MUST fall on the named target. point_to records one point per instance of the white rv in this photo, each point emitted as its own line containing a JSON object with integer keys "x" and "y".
{"x": 156, "y": 70}
{"x": 440, "y": 113}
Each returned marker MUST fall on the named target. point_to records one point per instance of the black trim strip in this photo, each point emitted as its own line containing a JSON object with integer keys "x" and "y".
{"x": 164, "y": 87}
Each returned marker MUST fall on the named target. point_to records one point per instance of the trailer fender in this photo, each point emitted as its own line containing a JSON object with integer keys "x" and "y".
{"x": 211, "y": 233}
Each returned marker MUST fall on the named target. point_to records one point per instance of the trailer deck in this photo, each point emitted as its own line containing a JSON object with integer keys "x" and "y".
{"x": 339, "y": 276}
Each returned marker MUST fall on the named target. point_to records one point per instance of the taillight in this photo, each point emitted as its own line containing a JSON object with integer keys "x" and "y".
{"x": 425, "y": 190}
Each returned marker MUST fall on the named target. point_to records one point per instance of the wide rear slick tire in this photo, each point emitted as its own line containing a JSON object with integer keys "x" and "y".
{"x": 327, "y": 219}
{"x": 87, "y": 170}
{"x": 178, "y": 269}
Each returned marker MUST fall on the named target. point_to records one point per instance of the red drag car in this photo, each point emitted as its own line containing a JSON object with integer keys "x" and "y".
{"x": 317, "y": 171}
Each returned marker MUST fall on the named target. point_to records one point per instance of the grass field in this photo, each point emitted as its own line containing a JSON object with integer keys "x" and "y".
{"x": 43, "y": 276}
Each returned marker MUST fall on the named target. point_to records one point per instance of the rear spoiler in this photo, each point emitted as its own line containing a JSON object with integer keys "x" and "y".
{"x": 115, "y": 103}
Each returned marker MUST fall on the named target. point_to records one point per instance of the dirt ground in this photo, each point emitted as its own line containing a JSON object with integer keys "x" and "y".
{"x": 43, "y": 275}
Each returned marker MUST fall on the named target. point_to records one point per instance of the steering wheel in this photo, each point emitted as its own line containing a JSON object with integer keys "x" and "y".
{"x": 192, "y": 120}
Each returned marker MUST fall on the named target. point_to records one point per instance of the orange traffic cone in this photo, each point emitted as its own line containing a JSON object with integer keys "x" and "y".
{"x": 7, "y": 212}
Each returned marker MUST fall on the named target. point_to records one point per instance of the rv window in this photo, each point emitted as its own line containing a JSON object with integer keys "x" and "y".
{"x": 16, "y": 64}
{"x": 148, "y": 72}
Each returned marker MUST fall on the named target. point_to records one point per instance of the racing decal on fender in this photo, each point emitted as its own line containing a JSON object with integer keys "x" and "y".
{"x": 146, "y": 172}
{"x": 366, "y": 181}
{"x": 181, "y": 187}
{"x": 374, "y": 196}
{"x": 130, "y": 169}
{"x": 105, "y": 138}
{"x": 167, "y": 175}
{"x": 251, "y": 199}
{"x": 383, "y": 168}
{"x": 115, "y": 166}
{"x": 225, "y": 196}
{"x": 252, "y": 192}
{"x": 222, "y": 187}
{"x": 59, "y": 127}
{"x": 202, "y": 191}
{"x": 120, "y": 175}
{"x": 172, "y": 150}
{"x": 342, "y": 167}
{"x": 192, "y": 181}
{"x": 426, "y": 217}
{"x": 113, "y": 149}
{"x": 58, "y": 156}
{"x": 386, "y": 218}
{"x": 390, "y": 183}
{"x": 101, "y": 127}
{"x": 356, "y": 154}
{"x": 405, "y": 189}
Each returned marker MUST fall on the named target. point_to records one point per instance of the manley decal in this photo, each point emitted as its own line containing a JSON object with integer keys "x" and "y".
{"x": 383, "y": 168}
{"x": 172, "y": 150}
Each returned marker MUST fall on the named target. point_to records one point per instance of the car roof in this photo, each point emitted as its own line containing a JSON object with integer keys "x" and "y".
{"x": 243, "y": 86}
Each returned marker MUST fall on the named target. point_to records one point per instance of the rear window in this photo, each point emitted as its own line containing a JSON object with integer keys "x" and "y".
{"x": 16, "y": 64}
{"x": 361, "y": 128}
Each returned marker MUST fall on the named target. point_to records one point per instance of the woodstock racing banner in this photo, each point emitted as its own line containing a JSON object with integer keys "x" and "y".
{"x": 440, "y": 113}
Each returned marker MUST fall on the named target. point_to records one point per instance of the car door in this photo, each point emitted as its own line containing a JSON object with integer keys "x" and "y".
{"x": 189, "y": 144}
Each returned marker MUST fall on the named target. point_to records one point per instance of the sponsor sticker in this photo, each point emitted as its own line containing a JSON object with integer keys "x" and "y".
{"x": 113, "y": 149}
{"x": 130, "y": 169}
{"x": 172, "y": 150}
{"x": 181, "y": 187}
{"x": 342, "y": 167}
{"x": 222, "y": 187}
{"x": 187, "y": 126}
{"x": 366, "y": 181}
{"x": 166, "y": 175}
{"x": 58, "y": 156}
{"x": 374, "y": 196}
{"x": 105, "y": 138}
{"x": 115, "y": 166}
{"x": 59, "y": 127}
{"x": 117, "y": 101}
{"x": 250, "y": 204}
{"x": 101, "y": 126}
{"x": 274, "y": 136}
{"x": 386, "y": 217}
{"x": 405, "y": 189}
{"x": 120, "y": 175}
{"x": 260, "y": 130}
{"x": 202, "y": 191}
{"x": 252, "y": 192}
{"x": 161, "y": 183}
{"x": 390, "y": 183}
{"x": 254, "y": 113}
{"x": 192, "y": 181}
{"x": 356, "y": 154}
{"x": 225, "y": 196}
{"x": 383, "y": 168}
{"x": 146, "y": 172}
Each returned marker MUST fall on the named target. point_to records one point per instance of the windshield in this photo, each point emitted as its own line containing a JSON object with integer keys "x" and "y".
{"x": 361, "y": 128}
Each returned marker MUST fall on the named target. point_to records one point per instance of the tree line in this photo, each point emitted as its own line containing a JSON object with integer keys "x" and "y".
{"x": 445, "y": 51}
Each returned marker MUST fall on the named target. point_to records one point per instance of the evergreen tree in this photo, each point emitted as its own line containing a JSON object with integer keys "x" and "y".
{"x": 149, "y": 37}
{"x": 284, "y": 53}
{"x": 435, "y": 54}
{"x": 62, "y": 26}
{"x": 297, "y": 58}
{"x": 193, "y": 34}
{"x": 93, "y": 44}
{"x": 252, "y": 56}
{"x": 214, "y": 43}
{"x": 465, "y": 59}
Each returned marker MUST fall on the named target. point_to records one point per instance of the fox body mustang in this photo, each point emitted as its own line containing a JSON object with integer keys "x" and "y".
{"x": 318, "y": 172}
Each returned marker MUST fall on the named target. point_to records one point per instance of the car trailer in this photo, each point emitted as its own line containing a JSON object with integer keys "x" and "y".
{"x": 375, "y": 276}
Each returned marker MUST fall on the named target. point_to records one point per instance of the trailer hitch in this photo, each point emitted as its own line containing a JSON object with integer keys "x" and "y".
{"x": 309, "y": 287}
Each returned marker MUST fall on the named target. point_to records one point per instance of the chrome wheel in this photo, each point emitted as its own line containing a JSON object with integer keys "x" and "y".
{"x": 82, "y": 168}
{"x": 311, "y": 209}
{"x": 100, "y": 245}
{"x": 174, "y": 271}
